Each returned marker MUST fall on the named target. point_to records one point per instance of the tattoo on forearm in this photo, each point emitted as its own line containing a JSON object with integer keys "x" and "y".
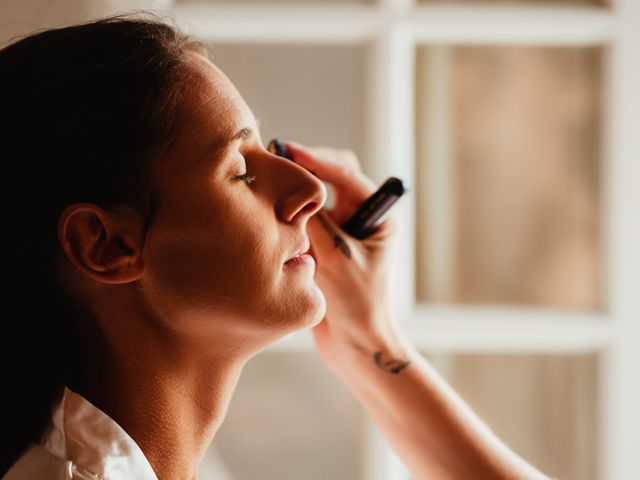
{"x": 338, "y": 241}
{"x": 393, "y": 366}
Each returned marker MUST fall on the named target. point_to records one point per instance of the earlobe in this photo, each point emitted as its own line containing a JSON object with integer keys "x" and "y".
{"x": 99, "y": 244}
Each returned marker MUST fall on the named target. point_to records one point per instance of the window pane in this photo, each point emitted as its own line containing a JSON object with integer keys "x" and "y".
{"x": 543, "y": 406}
{"x": 516, "y": 143}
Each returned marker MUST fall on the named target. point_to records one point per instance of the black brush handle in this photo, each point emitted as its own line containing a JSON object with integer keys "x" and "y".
{"x": 372, "y": 212}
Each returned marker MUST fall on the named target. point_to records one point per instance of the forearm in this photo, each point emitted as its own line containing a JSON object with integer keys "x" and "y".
{"x": 427, "y": 423}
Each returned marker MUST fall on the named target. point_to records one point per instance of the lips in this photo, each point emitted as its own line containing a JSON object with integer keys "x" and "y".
{"x": 304, "y": 259}
{"x": 302, "y": 249}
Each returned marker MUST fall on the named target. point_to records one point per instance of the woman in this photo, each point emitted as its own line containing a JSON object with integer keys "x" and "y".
{"x": 150, "y": 260}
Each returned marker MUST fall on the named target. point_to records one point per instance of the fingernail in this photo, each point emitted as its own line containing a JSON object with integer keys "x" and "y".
{"x": 278, "y": 147}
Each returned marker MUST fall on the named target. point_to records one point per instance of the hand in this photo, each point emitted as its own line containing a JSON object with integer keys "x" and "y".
{"x": 352, "y": 274}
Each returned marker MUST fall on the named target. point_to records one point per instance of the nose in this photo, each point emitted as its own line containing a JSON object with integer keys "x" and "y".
{"x": 302, "y": 194}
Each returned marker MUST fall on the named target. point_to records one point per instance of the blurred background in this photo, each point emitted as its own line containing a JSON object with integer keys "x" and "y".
{"x": 513, "y": 124}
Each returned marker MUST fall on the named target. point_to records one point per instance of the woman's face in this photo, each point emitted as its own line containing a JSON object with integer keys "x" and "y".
{"x": 215, "y": 256}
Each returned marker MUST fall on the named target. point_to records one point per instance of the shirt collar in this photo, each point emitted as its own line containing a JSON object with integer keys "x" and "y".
{"x": 87, "y": 436}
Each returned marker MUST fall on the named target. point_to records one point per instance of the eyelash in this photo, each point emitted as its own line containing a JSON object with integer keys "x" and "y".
{"x": 246, "y": 177}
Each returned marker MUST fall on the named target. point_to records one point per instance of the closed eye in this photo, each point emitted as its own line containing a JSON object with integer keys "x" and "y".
{"x": 246, "y": 177}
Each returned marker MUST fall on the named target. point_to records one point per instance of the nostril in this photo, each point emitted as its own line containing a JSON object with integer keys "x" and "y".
{"x": 311, "y": 206}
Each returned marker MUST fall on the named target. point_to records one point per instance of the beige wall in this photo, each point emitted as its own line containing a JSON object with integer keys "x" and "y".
{"x": 20, "y": 17}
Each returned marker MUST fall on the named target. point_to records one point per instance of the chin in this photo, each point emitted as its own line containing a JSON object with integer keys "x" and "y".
{"x": 317, "y": 314}
{"x": 313, "y": 312}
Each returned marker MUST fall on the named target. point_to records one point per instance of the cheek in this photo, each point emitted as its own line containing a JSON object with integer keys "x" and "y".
{"x": 212, "y": 262}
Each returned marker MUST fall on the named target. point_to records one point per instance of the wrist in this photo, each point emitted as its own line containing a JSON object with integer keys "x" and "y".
{"x": 381, "y": 347}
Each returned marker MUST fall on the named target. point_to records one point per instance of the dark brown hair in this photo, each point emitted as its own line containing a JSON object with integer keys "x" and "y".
{"x": 85, "y": 111}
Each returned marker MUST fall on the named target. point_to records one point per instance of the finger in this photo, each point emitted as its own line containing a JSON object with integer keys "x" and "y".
{"x": 338, "y": 167}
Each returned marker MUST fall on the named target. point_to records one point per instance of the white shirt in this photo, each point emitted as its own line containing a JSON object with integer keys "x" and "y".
{"x": 81, "y": 442}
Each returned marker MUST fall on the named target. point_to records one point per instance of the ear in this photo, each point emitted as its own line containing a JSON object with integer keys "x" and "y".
{"x": 103, "y": 245}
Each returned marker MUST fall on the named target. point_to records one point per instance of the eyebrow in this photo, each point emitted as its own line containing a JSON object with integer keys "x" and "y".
{"x": 244, "y": 132}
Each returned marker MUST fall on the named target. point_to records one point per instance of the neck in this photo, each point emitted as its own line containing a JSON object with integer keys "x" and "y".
{"x": 169, "y": 398}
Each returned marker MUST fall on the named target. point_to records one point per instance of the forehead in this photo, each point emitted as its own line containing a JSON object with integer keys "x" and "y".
{"x": 212, "y": 112}
{"x": 214, "y": 108}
